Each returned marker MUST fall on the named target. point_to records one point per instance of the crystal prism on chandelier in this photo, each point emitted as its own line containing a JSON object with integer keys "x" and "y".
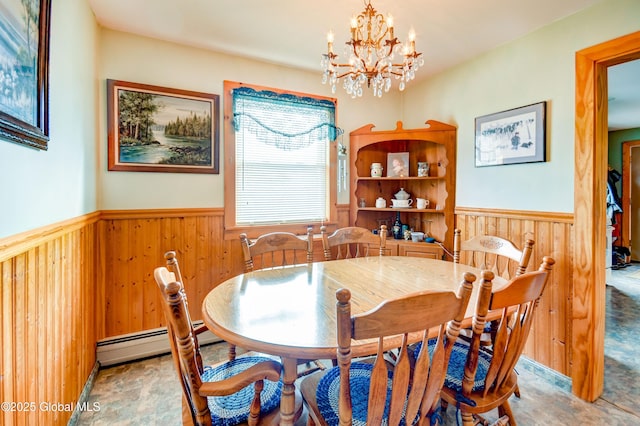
{"x": 371, "y": 51}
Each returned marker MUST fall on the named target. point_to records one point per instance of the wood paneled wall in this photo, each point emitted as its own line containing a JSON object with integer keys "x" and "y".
{"x": 550, "y": 339}
{"x": 133, "y": 244}
{"x": 47, "y": 320}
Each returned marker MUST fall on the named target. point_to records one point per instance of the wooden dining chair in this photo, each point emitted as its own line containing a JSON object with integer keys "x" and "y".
{"x": 493, "y": 253}
{"x": 220, "y": 394}
{"x": 501, "y": 256}
{"x": 376, "y": 391}
{"x": 276, "y": 249}
{"x": 480, "y": 379}
{"x": 174, "y": 267}
{"x": 353, "y": 241}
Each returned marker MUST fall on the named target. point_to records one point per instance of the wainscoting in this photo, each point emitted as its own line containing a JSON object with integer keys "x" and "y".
{"x": 68, "y": 286}
{"x": 133, "y": 245}
{"x": 47, "y": 334}
{"x": 550, "y": 339}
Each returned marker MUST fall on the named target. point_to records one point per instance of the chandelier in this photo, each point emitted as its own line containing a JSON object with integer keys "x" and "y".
{"x": 371, "y": 51}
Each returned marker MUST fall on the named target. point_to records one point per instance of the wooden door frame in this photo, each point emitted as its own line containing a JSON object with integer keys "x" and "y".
{"x": 625, "y": 228}
{"x": 589, "y": 236}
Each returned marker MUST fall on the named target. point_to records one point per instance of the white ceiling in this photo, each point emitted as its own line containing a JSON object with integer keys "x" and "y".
{"x": 293, "y": 32}
{"x": 624, "y": 96}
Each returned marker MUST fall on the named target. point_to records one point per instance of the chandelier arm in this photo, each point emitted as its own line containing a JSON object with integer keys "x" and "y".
{"x": 379, "y": 20}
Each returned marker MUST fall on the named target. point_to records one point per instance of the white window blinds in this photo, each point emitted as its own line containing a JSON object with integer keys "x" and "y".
{"x": 282, "y": 157}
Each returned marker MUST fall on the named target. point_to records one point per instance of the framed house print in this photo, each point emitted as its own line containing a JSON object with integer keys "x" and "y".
{"x": 511, "y": 137}
{"x": 24, "y": 72}
{"x": 159, "y": 129}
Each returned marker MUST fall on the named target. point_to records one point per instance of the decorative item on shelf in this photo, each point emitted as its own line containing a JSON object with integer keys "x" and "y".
{"x": 423, "y": 169}
{"x": 422, "y": 203}
{"x": 381, "y": 203}
{"x": 397, "y": 227}
{"x": 376, "y": 169}
{"x": 406, "y": 232}
{"x": 398, "y": 164}
{"x": 402, "y": 199}
{"x": 371, "y": 52}
{"x": 363, "y": 203}
{"x": 417, "y": 236}
{"x": 401, "y": 204}
{"x": 402, "y": 194}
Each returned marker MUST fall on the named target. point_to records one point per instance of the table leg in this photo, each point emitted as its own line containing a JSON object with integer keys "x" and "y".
{"x": 288, "y": 400}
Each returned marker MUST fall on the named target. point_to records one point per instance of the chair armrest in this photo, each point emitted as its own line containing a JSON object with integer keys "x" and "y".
{"x": 264, "y": 370}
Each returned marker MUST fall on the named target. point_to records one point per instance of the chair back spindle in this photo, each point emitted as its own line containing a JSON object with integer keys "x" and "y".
{"x": 276, "y": 249}
{"x": 416, "y": 388}
{"x": 494, "y": 253}
{"x": 353, "y": 241}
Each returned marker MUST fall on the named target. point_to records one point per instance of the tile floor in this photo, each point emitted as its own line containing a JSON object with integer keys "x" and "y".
{"x": 147, "y": 392}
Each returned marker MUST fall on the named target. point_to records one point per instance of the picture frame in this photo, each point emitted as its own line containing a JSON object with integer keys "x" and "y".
{"x": 176, "y": 131}
{"x": 511, "y": 137}
{"x": 24, "y": 72}
{"x": 398, "y": 164}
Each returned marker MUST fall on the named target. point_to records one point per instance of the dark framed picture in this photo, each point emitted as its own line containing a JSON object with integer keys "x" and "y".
{"x": 511, "y": 137}
{"x": 24, "y": 72}
{"x": 159, "y": 129}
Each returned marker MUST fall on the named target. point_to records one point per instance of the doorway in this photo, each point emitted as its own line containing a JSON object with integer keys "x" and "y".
{"x": 630, "y": 229}
{"x": 590, "y": 173}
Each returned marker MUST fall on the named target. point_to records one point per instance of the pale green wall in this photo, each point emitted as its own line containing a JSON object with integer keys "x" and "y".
{"x": 616, "y": 140}
{"x": 43, "y": 187}
{"x": 538, "y": 67}
{"x": 142, "y": 60}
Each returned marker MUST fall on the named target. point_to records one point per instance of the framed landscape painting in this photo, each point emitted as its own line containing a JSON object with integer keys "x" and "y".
{"x": 159, "y": 129}
{"x": 24, "y": 72}
{"x": 511, "y": 137}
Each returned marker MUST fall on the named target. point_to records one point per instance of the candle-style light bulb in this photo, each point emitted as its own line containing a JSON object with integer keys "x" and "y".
{"x": 390, "y": 26}
{"x": 412, "y": 40}
{"x": 330, "y": 41}
{"x": 354, "y": 27}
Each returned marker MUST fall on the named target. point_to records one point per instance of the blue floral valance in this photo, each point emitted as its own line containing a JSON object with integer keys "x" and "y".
{"x": 284, "y": 120}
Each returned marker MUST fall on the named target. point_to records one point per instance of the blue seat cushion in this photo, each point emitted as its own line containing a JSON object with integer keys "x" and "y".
{"x": 455, "y": 371}
{"x": 327, "y": 394}
{"x": 233, "y": 409}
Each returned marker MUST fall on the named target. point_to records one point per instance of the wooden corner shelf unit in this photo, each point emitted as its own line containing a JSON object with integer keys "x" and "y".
{"x": 436, "y": 145}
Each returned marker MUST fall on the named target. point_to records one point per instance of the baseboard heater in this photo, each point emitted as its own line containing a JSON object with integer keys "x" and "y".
{"x": 134, "y": 346}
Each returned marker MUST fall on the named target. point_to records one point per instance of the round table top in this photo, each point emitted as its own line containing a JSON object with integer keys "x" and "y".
{"x": 291, "y": 311}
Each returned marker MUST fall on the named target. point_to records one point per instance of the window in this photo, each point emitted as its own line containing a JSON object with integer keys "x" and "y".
{"x": 280, "y": 155}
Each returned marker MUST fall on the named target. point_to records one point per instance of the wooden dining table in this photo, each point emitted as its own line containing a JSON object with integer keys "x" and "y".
{"x": 290, "y": 312}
